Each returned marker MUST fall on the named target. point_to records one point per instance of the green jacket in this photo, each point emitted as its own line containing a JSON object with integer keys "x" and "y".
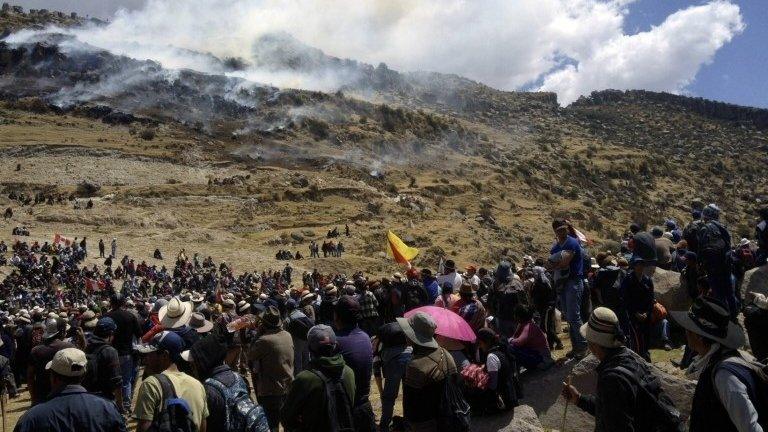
{"x": 306, "y": 409}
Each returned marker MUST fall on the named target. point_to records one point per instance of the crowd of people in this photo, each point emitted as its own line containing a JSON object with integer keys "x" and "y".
{"x": 184, "y": 349}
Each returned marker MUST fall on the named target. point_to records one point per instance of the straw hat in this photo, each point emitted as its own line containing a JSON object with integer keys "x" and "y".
{"x": 175, "y": 314}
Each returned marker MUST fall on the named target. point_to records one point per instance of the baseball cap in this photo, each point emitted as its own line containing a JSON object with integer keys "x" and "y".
{"x": 69, "y": 362}
{"x": 165, "y": 341}
{"x": 319, "y": 337}
{"x": 105, "y": 326}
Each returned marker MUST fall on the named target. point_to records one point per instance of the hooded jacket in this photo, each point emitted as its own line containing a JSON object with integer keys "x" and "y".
{"x": 305, "y": 408}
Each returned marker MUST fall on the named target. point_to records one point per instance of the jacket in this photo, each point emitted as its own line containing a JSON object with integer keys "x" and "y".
{"x": 306, "y": 408}
{"x": 272, "y": 354}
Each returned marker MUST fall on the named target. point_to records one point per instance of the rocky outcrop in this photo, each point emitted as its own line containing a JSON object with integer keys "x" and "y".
{"x": 524, "y": 419}
{"x": 668, "y": 291}
{"x": 756, "y": 280}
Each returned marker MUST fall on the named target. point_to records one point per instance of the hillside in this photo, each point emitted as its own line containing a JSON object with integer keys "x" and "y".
{"x": 228, "y": 167}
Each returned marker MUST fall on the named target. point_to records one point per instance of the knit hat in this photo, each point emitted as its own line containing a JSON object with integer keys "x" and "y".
{"x": 603, "y": 329}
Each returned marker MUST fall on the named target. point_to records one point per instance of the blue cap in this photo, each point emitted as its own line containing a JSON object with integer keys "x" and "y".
{"x": 165, "y": 341}
{"x": 105, "y": 325}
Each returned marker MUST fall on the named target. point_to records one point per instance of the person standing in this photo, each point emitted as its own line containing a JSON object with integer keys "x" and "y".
{"x": 272, "y": 358}
{"x": 114, "y": 248}
{"x": 71, "y": 407}
{"x": 355, "y": 346}
{"x": 105, "y": 380}
{"x": 714, "y": 248}
{"x": 392, "y": 357}
{"x": 569, "y": 282}
{"x": 425, "y": 375}
{"x": 163, "y": 354}
{"x": 624, "y": 382}
{"x": 128, "y": 330}
{"x": 637, "y": 293}
{"x": 101, "y": 248}
{"x": 38, "y": 378}
{"x": 308, "y": 407}
{"x": 726, "y": 397}
{"x": 761, "y": 236}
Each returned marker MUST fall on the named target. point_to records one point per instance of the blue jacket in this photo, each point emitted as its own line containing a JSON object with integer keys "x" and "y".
{"x": 72, "y": 409}
{"x": 433, "y": 289}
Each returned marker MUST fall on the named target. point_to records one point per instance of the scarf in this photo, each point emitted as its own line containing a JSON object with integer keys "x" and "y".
{"x": 700, "y": 362}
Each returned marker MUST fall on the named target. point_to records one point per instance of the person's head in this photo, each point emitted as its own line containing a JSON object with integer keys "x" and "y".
{"x": 446, "y": 289}
{"x": 602, "y": 332}
{"x": 486, "y": 339}
{"x": 471, "y": 270}
{"x": 420, "y": 330}
{"x": 644, "y": 254}
{"x": 708, "y": 322}
{"x": 449, "y": 266}
{"x": 117, "y": 301}
{"x": 105, "y": 329}
{"x": 322, "y": 341}
{"x": 635, "y": 228}
{"x": 55, "y": 328}
{"x": 466, "y": 292}
{"x": 670, "y": 224}
{"x": 560, "y": 227}
{"x": 711, "y": 212}
{"x": 657, "y": 232}
{"x": 162, "y": 351}
{"x": 67, "y": 368}
{"x": 691, "y": 259}
{"x": 347, "y": 312}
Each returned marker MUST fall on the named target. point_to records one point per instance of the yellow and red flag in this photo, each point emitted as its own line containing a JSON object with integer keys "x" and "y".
{"x": 397, "y": 249}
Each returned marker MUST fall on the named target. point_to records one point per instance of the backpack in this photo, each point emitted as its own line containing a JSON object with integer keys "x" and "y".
{"x": 340, "y": 415}
{"x": 691, "y": 235}
{"x": 92, "y": 379}
{"x": 662, "y": 410}
{"x": 510, "y": 295}
{"x": 608, "y": 284}
{"x": 242, "y": 415}
{"x": 714, "y": 240}
{"x": 415, "y": 295}
{"x": 175, "y": 414}
{"x": 453, "y": 411}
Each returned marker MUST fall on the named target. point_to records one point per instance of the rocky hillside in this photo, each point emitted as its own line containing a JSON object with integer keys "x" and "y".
{"x": 456, "y": 167}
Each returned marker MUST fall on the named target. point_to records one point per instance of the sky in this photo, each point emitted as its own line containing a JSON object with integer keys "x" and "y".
{"x": 709, "y": 48}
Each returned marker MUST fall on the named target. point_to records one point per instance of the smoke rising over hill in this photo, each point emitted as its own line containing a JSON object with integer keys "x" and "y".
{"x": 570, "y": 47}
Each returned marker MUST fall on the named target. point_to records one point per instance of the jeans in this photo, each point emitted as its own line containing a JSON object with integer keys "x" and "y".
{"x": 661, "y": 331}
{"x": 272, "y": 406}
{"x": 126, "y": 371}
{"x": 570, "y": 300}
{"x": 393, "y": 372}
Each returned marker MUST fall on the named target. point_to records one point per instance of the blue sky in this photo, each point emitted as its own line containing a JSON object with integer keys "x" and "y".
{"x": 739, "y": 72}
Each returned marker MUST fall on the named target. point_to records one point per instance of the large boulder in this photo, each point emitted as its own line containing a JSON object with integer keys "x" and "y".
{"x": 666, "y": 285}
{"x": 756, "y": 280}
{"x": 524, "y": 419}
{"x": 543, "y": 394}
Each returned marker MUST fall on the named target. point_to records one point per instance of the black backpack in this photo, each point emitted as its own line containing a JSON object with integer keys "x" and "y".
{"x": 714, "y": 240}
{"x": 299, "y": 327}
{"x": 691, "y": 235}
{"x": 608, "y": 283}
{"x": 175, "y": 413}
{"x": 660, "y": 407}
{"x": 510, "y": 295}
{"x": 92, "y": 381}
{"x": 454, "y": 411}
{"x": 340, "y": 417}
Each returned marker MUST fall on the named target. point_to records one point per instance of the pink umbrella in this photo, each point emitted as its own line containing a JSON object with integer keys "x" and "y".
{"x": 449, "y": 323}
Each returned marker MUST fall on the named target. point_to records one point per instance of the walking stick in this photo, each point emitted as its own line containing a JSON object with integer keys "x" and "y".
{"x": 567, "y": 402}
{"x": 3, "y": 404}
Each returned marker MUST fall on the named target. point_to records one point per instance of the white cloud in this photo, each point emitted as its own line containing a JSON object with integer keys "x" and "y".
{"x": 665, "y": 58}
{"x": 568, "y": 46}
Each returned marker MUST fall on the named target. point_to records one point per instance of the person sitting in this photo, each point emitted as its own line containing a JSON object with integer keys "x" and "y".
{"x": 500, "y": 394}
{"x": 157, "y": 255}
{"x": 529, "y": 343}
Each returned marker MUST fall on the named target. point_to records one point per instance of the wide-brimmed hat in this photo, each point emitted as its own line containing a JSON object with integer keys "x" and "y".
{"x": 744, "y": 242}
{"x": 307, "y": 298}
{"x": 55, "y": 327}
{"x": 760, "y": 301}
{"x": 89, "y": 319}
{"x": 198, "y": 322}
{"x": 602, "y": 328}
{"x": 644, "y": 251}
{"x": 23, "y": 318}
{"x": 197, "y": 298}
{"x": 710, "y": 318}
{"x": 228, "y": 303}
{"x": 271, "y": 317}
{"x": 419, "y": 329}
{"x": 175, "y": 314}
{"x": 243, "y": 307}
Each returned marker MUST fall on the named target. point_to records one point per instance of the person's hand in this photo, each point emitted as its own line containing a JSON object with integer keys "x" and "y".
{"x": 570, "y": 393}
{"x": 642, "y": 317}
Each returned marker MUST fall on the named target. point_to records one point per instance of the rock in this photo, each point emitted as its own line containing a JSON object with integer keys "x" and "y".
{"x": 668, "y": 291}
{"x": 309, "y": 233}
{"x": 297, "y": 236}
{"x": 756, "y": 280}
{"x": 87, "y": 189}
{"x": 524, "y": 419}
{"x": 542, "y": 392}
